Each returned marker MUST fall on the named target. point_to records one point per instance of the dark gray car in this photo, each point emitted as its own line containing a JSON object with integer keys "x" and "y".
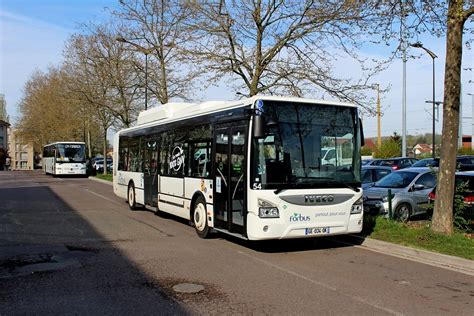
{"x": 409, "y": 187}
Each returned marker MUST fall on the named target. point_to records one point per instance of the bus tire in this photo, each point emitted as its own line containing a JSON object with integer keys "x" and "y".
{"x": 132, "y": 203}
{"x": 200, "y": 218}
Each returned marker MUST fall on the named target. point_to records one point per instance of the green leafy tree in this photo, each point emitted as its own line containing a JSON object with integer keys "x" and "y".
{"x": 388, "y": 149}
{"x": 366, "y": 151}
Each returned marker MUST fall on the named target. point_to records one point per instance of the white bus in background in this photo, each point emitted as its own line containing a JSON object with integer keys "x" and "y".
{"x": 65, "y": 158}
{"x": 251, "y": 168}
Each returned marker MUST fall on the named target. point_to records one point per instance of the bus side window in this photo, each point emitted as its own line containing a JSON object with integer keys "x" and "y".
{"x": 200, "y": 155}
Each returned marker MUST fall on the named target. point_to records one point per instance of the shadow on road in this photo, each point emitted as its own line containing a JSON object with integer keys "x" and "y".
{"x": 53, "y": 261}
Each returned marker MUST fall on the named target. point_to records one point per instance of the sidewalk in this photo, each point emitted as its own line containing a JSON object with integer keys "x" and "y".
{"x": 427, "y": 257}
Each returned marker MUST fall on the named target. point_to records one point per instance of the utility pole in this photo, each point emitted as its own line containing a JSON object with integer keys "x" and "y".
{"x": 472, "y": 120}
{"x": 404, "y": 85}
{"x": 379, "y": 136}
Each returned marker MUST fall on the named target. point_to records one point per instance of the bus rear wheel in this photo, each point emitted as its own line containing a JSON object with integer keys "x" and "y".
{"x": 200, "y": 218}
{"x": 132, "y": 203}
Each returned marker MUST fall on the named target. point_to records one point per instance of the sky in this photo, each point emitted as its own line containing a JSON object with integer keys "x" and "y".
{"x": 33, "y": 33}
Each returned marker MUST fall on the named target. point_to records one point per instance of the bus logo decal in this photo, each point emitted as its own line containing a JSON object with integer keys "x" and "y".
{"x": 313, "y": 199}
{"x": 177, "y": 158}
{"x": 297, "y": 217}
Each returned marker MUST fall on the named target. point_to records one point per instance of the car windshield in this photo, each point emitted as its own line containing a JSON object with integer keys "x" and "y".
{"x": 426, "y": 163}
{"x": 398, "y": 180}
{"x": 307, "y": 145}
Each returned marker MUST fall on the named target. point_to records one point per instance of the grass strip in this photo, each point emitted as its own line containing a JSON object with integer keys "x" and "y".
{"x": 458, "y": 244}
{"x": 108, "y": 176}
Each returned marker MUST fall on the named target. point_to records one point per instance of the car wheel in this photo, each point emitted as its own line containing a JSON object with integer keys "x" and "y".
{"x": 200, "y": 218}
{"x": 132, "y": 204}
{"x": 403, "y": 212}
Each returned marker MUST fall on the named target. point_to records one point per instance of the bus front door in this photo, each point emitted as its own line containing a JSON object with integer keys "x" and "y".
{"x": 230, "y": 177}
{"x": 150, "y": 171}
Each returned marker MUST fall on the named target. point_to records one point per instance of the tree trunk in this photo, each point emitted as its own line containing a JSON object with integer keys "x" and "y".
{"x": 443, "y": 211}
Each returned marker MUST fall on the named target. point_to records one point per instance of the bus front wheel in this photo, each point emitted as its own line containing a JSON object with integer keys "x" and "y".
{"x": 200, "y": 218}
{"x": 132, "y": 204}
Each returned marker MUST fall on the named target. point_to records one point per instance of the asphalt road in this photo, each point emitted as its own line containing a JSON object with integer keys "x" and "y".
{"x": 69, "y": 245}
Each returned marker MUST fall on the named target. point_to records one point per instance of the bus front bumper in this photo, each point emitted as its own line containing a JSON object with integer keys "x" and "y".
{"x": 262, "y": 229}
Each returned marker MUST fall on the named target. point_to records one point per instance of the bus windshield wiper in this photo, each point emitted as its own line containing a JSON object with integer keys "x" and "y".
{"x": 352, "y": 187}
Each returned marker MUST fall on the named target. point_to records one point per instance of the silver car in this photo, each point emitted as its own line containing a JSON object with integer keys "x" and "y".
{"x": 409, "y": 187}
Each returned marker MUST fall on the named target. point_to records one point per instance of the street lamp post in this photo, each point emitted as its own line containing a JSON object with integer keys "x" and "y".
{"x": 145, "y": 51}
{"x": 433, "y": 56}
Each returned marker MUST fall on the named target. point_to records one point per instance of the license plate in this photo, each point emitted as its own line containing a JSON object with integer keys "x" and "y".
{"x": 317, "y": 231}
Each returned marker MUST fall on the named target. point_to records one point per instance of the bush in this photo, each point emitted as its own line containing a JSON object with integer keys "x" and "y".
{"x": 388, "y": 149}
{"x": 465, "y": 151}
{"x": 365, "y": 151}
{"x": 458, "y": 209}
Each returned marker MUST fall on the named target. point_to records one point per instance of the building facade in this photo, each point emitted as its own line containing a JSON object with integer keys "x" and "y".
{"x": 21, "y": 155}
{"x": 4, "y": 125}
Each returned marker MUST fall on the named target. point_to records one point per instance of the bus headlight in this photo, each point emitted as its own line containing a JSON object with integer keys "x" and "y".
{"x": 267, "y": 210}
{"x": 358, "y": 206}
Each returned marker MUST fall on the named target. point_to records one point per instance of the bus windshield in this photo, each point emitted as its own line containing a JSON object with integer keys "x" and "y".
{"x": 307, "y": 146}
{"x": 70, "y": 153}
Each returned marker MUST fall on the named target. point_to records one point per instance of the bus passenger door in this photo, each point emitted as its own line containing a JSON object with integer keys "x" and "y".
{"x": 230, "y": 177}
{"x": 150, "y": 171}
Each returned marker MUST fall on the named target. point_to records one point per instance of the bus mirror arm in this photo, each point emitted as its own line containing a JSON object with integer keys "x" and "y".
{"x": 362, "y": 138}
{"x": 258, "y": 126}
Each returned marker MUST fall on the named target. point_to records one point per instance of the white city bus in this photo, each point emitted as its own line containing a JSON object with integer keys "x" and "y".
{"x": 251, "y": 168}
{"x": 64, "y": 158}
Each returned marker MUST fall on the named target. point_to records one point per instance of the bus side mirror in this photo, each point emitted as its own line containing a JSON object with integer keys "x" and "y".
{"x": 362, "y": 138}
{"x": 258, "y": 126}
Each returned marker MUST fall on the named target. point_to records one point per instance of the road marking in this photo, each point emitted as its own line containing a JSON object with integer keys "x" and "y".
{"x": 130, "y": 217}
{"x": 104, "y": 197}
{"x": 331, "y": 288}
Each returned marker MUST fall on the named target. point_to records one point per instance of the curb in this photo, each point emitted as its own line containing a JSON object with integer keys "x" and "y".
{"x": 101, "y": 181}
{"x": 457, "y": 264}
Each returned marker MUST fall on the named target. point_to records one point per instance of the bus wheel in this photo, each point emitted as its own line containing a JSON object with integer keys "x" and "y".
{"x": 200, "y": 218}
{"x": 132, "y": 204}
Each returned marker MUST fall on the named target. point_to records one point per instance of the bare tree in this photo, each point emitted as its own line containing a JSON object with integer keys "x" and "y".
{"x": 98, "y": 56}
{"x": 93, "y": 83}
{"x": 158, "y": 27}
{"x": 405, "y": 20}
{"x": 287, "y": 47}
{"x": 457, "y": 16}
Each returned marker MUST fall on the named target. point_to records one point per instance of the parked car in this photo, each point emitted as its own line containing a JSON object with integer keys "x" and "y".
{"x": 465, "y": 163}
{"x": 98, "y": 164}
{"x": 395, "y": 163}
{"x": 466, "y": 177}
{"x": 427, "y": 162}
{"x": 367, "y": 162}
{"x": 372, "y": 174}
{"x": 409, "y": 187}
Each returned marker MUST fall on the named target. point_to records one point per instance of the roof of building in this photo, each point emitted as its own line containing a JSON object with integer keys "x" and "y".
{"x": 422, "y": 148}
